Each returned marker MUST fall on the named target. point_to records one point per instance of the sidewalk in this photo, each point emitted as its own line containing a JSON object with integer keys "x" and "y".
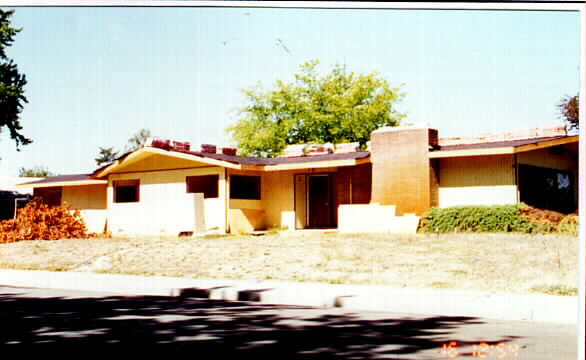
{"x": 500, "y": 306}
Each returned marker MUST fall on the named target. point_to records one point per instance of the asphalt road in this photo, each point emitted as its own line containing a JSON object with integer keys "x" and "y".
{"x": 64, "y": 317}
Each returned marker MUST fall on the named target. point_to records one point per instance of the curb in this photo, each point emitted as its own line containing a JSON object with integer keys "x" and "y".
{"x": 498, "y": 306}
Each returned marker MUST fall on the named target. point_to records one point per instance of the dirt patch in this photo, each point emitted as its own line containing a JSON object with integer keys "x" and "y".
{"x": 494, "y": 262}
{"x": 542, "y": 216}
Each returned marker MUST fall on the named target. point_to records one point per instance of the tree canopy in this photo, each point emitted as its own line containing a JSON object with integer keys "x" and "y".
{"x": 36, "y": 171}
{"x": 11, "y": 84}
{"x": 338, "y": 107}
{"x": 569, "y": 110}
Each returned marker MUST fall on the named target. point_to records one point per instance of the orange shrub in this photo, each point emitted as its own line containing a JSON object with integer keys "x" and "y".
{"x": 37, "y": 221}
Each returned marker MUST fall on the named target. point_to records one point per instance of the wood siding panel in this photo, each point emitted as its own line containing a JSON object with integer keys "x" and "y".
{"x": 86, "y": 196}
{"x": 278, "y": 199}
{"x": 486, "y": 180}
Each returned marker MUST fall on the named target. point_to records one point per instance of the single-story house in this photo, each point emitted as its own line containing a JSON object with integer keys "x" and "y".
{"x": 406, "y": 170}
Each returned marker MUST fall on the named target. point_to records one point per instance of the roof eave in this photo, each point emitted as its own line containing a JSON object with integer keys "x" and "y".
{"x": 62, "y": 183}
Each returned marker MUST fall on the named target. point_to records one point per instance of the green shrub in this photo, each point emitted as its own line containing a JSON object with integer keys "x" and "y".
{"x": 498, "y": 218}
{"x": 501, "y": 218}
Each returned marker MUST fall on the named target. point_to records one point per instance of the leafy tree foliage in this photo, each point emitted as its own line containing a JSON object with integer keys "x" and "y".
{"x": 36, "y": 171}
{"x": 338, "y": 107}
{"x": 106, "y": 155}
{"x": 11, "y": 84}
{"x": 569, "y": 111}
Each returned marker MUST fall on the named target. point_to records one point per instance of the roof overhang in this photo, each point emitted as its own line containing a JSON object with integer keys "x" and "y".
{"x": 45, "y": 184}
{"x": 309, "y": 165}
{"x": 502, "y": 150}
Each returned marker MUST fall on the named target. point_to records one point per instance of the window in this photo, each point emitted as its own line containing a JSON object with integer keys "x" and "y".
{"x": 206, "y": 184}
{"x": 126, "y": 191}
{"x": 51, "y": 196}
{"x": 245, "y": 187}
{"x": 546, "y": 188}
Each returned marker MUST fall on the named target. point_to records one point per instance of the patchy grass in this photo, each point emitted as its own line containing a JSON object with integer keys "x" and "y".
{"x": 561, "y": 290}
{"x": 516, "y": 263}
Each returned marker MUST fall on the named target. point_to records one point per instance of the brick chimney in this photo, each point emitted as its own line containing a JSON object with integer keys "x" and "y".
{"x": 402, "y": 173}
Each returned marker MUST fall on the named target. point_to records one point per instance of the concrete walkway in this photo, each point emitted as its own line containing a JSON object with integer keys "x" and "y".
{"x": 500, "y": 306}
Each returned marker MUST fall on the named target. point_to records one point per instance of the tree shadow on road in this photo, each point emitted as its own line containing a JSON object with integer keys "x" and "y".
{"x": 220, "y": 327}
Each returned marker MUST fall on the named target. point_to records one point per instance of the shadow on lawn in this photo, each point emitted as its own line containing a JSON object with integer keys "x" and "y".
{"x": 221, "y": 327}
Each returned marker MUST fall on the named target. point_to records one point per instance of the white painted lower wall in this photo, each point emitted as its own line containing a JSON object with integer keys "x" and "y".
{"x": 477, "y": 195}
{"x": 94, "y": 220}
{"x": 375, "y": 218}
{"x": 165, "y": 207}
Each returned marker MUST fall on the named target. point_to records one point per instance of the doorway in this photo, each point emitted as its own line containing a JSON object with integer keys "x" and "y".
{"x": 319, "y": 201}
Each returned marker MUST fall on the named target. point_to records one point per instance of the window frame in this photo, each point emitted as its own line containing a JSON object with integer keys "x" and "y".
{"x": 116, "y": 184}
{"x": 256, "y": 194}
{"x": 214, "y": 194}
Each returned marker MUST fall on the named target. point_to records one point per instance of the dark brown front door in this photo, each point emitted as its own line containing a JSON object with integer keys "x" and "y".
{"x": 320, "y": 201}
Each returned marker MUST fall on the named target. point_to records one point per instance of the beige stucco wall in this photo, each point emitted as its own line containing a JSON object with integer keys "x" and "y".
{"x": 278, "y": 199}
{"x": 477, "y": 180}
{"x": 165, "y": 207}
{"x": 92, "y": 203}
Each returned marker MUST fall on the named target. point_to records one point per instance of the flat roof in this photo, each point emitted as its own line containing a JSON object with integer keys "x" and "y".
{"x": 501, "y": 147}
{"x": 507, "y": 143}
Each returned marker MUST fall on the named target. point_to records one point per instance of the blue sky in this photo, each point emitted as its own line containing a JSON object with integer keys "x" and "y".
{"x": 98, "y": 75}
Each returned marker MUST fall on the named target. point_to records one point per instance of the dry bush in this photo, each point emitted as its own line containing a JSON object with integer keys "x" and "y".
{"x": 38, "y": 221}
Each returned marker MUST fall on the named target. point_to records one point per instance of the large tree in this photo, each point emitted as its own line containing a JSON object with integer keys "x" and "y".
{"x": 11, "y": 84}
{"x": 338, "y": 107}
{"x": 569, "y": 110}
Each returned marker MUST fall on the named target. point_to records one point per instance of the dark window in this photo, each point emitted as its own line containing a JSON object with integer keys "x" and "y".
{"x": 51, "y": 196}
{"x": 126, "y": 191}
{"x": 245, "y": 187}
{"x": 206, "y": 184}
{"x": 545, "y": 188}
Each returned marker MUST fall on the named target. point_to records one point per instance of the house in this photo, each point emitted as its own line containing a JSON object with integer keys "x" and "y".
{"x": 166, "y": 189}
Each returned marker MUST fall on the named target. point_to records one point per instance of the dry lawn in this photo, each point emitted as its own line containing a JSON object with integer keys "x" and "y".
{"x": 512, "y": 263}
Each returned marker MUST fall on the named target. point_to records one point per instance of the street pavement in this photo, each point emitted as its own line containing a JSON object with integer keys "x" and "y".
{"x": 222, "y": 328}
